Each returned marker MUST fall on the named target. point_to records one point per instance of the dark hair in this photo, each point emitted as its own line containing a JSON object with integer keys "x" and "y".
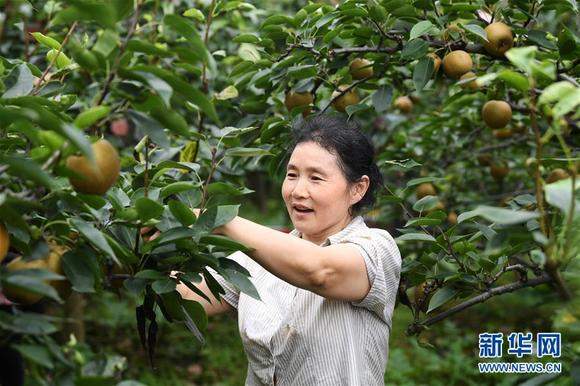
{"x": 349, "y": 144}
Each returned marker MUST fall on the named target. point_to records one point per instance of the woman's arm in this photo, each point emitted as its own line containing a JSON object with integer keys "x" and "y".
{"x": 215, "y": 307}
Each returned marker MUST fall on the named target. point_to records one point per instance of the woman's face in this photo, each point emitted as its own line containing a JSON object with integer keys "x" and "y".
{"x": 317, "y": 194}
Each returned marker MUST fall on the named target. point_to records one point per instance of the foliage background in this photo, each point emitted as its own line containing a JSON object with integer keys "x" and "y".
{"x": 193, "y": 94}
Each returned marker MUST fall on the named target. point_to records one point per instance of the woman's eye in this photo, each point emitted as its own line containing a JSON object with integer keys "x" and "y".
{"x": 290, "y": 175}
{"x": 317, "y": 178}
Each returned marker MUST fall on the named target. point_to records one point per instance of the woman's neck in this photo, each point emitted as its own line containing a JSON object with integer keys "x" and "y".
{"x": 320, "y": 237}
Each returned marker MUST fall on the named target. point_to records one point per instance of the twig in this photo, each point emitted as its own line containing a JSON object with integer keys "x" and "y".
{"x": 204, "y": 81}
{"x": 51, "y": 64}
{"x": 569, "y": 79}
{"x": 502, "y": 145}
{"x": 113, "y": 73}
{"x": 417, "y": 327}
{"x": 538, "y": 175}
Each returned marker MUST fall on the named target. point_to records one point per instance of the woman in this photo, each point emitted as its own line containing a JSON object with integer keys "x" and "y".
{"x": 328, "y": 288}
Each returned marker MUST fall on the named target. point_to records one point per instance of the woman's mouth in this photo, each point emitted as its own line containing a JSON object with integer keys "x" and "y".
{"x": 302, "y": 209}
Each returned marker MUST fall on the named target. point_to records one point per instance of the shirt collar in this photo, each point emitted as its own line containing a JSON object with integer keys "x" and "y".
{"x": 333, "y": 239}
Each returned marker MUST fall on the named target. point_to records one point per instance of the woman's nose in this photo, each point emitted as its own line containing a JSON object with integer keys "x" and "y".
{"x": 300, "y": 189}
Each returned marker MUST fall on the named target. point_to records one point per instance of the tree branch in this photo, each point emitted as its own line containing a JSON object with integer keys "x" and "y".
{"x": 417, "y": 327}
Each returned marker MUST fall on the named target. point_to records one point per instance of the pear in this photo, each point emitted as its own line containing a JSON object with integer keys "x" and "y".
{"x": 404, "y": 104}
{"x": 499, "y": 39}
{"x": 349, "y": 98}
{"x": 496, "y": 114}
{"x": 4, "y": 242}
{"x": 457, "y": 63}
{"x": 298, "y": 99}
{"x": 361, "y": 68}
{"x": 99, "y": 177}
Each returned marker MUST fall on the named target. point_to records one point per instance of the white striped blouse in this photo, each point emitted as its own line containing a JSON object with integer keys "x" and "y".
{"x": 296, "y": 337}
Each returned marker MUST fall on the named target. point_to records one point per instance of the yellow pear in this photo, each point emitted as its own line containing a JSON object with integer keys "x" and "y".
{"x": 457, "y": 63}
{"x": 99, "y": 177}
{"x": 496, "y": 114}
{"x": 425, "y": 189}
{"x": 404, "y": 104}
{"x": 361, "y": 68}
{"x": 17, "y": 294}
{"x": 4, "y": 242}
{"x": 298, "y": 99}
{"x": 557, "y": 175}
{"x": 499, "y": 39}
{"x": 472, "y": 85}
{"x": 349, "y": 98}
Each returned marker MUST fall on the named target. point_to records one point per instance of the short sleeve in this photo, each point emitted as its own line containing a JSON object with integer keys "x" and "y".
{"x": 383, "y": 263}
{"x": 232, "y": 295}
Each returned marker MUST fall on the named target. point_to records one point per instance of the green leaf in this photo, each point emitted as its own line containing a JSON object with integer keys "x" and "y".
{"x": 224, "y": 242}
{"x": 106, "y": 43}
{"x": 148, "y": 208}
{"x": 195, "y": 318}
{"x": 240, "y": 281}
{"x": 193, "y": 94}
{"x": 498, "y": 215}
{"x": 145, "y": 47}
{"x": 423, "y": 221}
{"x": 34, "y": 281}
{"x": 215, "y": 217}
{"x": 382, "y": 99}
{"x": 415, "y": 49}
{"x": 36, "y": 353}
{"x": 476, "y": 30}
{"x": 227, "y": 189}
{"x": 559, "y": 195}
{"x": 149, "y": 127}
{"x": 81, "y": 269}
{"x": 26, "y": 169}
{"x": 567, "y": 104}
{"x": 420, "y": 180}
{"x": 182, "y": 212}
{"x": 422, "y": 73}
{"x": 194, "y": 14}
{"x": 246, "y": 152}
{"x": 415, "y": 237}
{"x": 246, "y": 38}
{"x": 556, "y": 91}
{"x": 541, "y": 39}
{"x": 522, "y": 57}
{"x": 186, "y": 29}
{"x": 46, "y": 41}
{"x": 20, "y": 82}
{"x": 420, "y": 29}
{"x": 426, "y": 203}
{"x": 177, "y": 187}
{"x": 163, "y": 286}
{"x": 89, "y": 117}
{"x": 441, "y": 297}
{"x": 94, "y": 236}
{"x": 229, "y": 92}
{"x": 150, "y": 274}
{"x": 172, "y": 235}
{"x": 514, "y": 79}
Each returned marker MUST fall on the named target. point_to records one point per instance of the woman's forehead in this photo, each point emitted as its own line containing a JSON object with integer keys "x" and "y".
{"x": 310, "y": 155}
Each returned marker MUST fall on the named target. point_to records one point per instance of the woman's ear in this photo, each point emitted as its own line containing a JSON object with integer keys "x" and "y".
{"x": 359, "y": 189}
